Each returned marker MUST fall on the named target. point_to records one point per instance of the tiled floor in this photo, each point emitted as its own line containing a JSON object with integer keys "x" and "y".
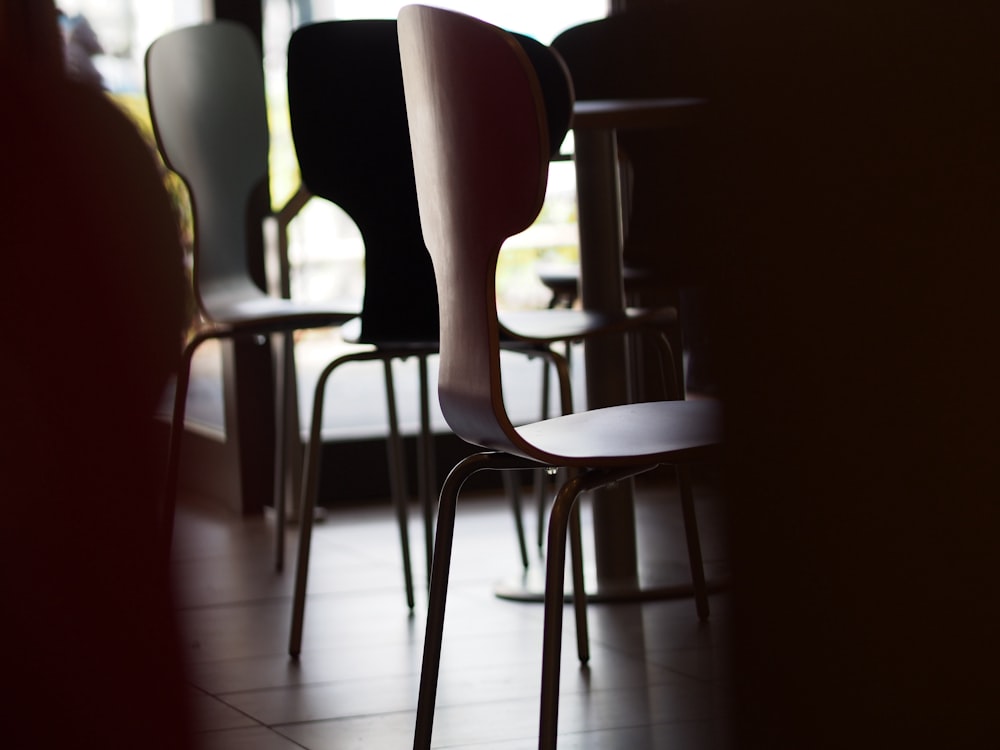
{"x": 657, "y": 678}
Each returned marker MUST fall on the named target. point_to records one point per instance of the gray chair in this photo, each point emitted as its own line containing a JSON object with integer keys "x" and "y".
{"x": 479, "y": 134}
{"x": 206, "y": 97}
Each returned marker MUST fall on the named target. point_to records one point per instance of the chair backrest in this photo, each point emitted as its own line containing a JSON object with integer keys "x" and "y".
{"x": 604, "y": 55}
{"x": 481, "y": 146}
{"x": 206, "y": 97}
{"x": 348, "y": 119}
{"x": 652, "y": 52}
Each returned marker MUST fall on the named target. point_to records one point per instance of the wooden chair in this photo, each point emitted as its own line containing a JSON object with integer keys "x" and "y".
{"x": 479, "y": 138}
{"x": 348, "y": 119}
{"x": 206, "y": 98}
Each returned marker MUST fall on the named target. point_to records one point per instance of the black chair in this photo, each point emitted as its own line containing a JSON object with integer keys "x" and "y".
{"x": 349, "y": 124}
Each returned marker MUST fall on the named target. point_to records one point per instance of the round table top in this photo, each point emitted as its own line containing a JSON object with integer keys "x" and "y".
{"x": 636, "y": 113}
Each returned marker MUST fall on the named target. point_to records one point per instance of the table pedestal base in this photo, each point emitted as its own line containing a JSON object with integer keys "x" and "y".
{"x": 672, "y": 583}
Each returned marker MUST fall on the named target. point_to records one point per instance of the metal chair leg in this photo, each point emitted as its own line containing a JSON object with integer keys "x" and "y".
{"x": 169, "y": 504}
{"x": 310, "y": 491}
{"x": 514, "y": 493}
{"x": 539, "y": 474}
{"x": 671, "y": 368}
{"x": 542, "y": 506}
{"x": 426, "y": 479}
{"x": 561, "y": 365}
{"x": 561, "y": 521}
{"x": 171, "y": 481}
{"x": 397, "y": 479}
{"x": 282, "y": 385}
{"x": 693, "y": 542}
{"x": 555, "y": 573}
{"x": 579, "y": 586}
{"x": 437, "y": 598}
{"x": 431, "y": 664}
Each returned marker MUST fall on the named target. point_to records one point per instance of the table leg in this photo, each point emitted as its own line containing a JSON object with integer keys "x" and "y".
{"x": 605, "y": 359}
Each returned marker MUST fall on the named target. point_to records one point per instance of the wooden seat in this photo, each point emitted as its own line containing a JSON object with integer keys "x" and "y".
{"x": 479, "y": 135}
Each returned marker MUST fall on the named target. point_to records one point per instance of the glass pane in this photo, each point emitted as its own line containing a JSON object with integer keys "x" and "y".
{"x": 542, "y": 19}
{"x": 122, "y": 30}
{"x": 324, "y": 245}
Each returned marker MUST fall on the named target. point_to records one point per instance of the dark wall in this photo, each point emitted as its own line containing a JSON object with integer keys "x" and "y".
{"x": 854, "y": 189}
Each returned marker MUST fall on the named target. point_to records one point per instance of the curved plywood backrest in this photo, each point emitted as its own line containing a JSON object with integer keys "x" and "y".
{"x": 480, "y": 147}
{"x": 206, "y": 97}
{"x": 348, "y": 118}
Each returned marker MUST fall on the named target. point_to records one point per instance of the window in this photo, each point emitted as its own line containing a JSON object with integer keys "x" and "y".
{"x": 123, "y": 29}
{"x": 324, "y": 269}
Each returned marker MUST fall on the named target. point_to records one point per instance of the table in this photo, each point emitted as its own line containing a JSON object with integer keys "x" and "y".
{"x": 595, "y": 123}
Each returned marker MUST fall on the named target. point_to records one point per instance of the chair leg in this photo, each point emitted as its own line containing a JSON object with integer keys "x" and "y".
{"x": 281, "y": 391}
{"x": 671, "y": 368}
{"x": 514, "y": 493}
{"x": 310, "y": 491}
{"x": 542, "y": 506}
{"x": 693, "y": 542}
{"x": 563, "y": 517}
{"x": 561, "y": 365}
{"x": 397, "y": 479}
{"x": 169, "y": 504}
{"x": 440, "y": 569}
{"x": 579, "y": 586}
{"x": 426, "y": 480}
{"x": 555, "y": 574}
{"x": 539, "y": 474}
{"x": 539, "y": 482}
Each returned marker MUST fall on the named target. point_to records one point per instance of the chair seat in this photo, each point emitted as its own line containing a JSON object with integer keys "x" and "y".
{"x": 350, "y": 332}
{"x": 550, "y": 326}
{"x": 261, "y": 312}
{"x": 660, "y": 432}
{"x": 564, "y": 278}
{"x": 569, "y": 273}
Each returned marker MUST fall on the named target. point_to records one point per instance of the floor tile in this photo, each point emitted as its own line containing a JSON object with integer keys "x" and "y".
{"x": 656, "y": 678}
